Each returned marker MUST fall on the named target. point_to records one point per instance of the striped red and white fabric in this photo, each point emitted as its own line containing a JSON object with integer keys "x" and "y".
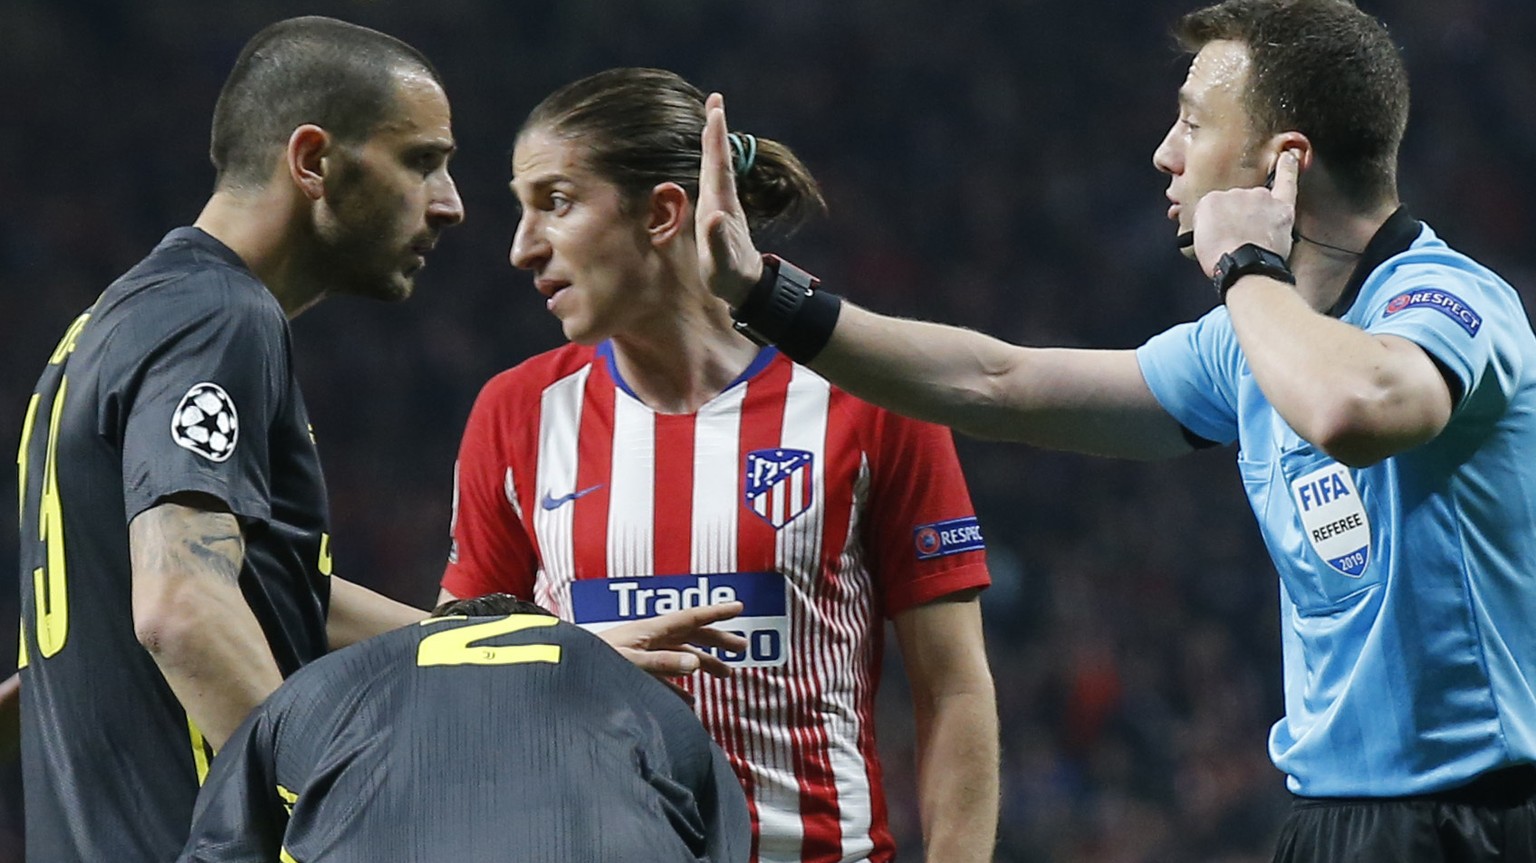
{"x": 783, "y": 492}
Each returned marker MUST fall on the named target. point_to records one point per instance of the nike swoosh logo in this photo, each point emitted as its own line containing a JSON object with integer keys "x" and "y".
{"x": 552, "y": 502}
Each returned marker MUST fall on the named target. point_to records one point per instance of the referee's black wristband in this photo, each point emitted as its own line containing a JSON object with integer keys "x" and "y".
{"x": 785, "y": 309}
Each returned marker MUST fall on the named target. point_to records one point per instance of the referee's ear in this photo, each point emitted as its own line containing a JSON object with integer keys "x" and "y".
{"x": 305, "y": 155}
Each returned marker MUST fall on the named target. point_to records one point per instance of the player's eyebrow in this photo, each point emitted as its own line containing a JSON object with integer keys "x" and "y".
{"x": 540, "y": 182}
{"x": 445, "y": 146}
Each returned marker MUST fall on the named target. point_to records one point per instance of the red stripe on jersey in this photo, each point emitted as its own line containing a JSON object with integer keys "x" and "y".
{"x": 674, "y": 494}
{"x": 880, "y": 828}
{"x": 762, "y": 426}
{"x": 593, "y": 471}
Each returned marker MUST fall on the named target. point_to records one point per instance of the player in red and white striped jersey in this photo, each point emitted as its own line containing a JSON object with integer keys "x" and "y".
{"x": 665, "y": 461}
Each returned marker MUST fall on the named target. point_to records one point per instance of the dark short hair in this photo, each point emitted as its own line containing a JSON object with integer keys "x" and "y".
{"x": 318, "y": 70}
{"x": 642, "y": 127}
{"x": 1325, "y": 69}
{"x": 489, "y": 605}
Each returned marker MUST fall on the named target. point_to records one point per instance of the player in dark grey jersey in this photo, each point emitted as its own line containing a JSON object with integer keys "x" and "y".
{"x": 472, "y": 738}
{"x": 175, "y": 564}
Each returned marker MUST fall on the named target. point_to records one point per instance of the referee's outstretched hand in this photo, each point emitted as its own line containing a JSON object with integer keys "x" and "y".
{"x": 728, "y": 262}
{"x": 664, "y": 645}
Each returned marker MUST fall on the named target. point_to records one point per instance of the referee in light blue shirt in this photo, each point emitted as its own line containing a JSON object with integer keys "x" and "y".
{"x": 1406, "y": 586}
{"x": 1381, "y": 390}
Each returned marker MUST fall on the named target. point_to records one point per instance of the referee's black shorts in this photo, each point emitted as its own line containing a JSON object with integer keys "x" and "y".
{"x": 1492, "y": 820}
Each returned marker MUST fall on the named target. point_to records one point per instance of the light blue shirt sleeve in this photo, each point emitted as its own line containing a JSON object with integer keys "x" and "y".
{"x": 1191, "y": 370}
{"x": 1461, "y": 316}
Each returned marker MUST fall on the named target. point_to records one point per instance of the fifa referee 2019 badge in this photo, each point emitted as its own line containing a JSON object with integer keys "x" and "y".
{"x": 206, "y": 422}
{"x": 779, "y": 484}
{"x": 1333, "y": 518}
{"x": 943, "y": 538}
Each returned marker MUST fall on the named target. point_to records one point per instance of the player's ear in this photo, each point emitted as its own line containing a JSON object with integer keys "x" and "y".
{"x": 668, "y": 212}
{"x": 305, "y": 158}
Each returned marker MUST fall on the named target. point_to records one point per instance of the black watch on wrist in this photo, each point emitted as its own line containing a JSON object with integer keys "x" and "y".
{"x": 785, "y": 308}
{"x": 770, "y": 307}
{"x": 1246, "y": 260}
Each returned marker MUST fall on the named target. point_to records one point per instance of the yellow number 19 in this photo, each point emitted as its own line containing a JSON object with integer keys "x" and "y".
{"x": 48, "y": 580}
{"x": 49, "y": 593}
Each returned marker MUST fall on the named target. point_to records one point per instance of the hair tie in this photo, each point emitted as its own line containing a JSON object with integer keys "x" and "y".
{"x": 743, "y": 151}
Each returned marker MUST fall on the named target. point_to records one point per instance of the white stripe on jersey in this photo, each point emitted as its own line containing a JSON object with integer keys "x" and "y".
{"x": 632, "y": 490}
{"x": 796, "y": 550}
{"x": 716, "y": 454}
{"x": 856, "y": 616}
{"x": 559, "y": 424}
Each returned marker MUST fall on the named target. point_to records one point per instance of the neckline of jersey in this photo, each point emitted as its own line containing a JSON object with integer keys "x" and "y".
{"x": 765, "y": 356}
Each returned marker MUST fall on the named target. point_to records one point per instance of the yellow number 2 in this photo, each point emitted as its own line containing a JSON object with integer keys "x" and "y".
{"x": 455, "y": 646}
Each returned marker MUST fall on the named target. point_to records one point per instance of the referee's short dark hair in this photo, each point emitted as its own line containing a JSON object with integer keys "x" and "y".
{"x": 1323, "y": 68}
{"x": 336, "y": 75}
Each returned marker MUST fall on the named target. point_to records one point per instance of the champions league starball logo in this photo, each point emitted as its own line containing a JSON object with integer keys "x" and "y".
{"x": 206, "y": 422}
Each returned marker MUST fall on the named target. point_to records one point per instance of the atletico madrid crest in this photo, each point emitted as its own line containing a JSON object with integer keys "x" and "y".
{"x": 779, "y": 484}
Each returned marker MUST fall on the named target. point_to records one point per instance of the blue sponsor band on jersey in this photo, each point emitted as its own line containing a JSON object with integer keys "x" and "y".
{"x": 606, "y": 600}
{"x": 1444, "y": 302}
{"x": 943, "y": 538}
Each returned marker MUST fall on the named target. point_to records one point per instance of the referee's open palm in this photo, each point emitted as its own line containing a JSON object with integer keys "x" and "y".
{"x": 728, "y": 262}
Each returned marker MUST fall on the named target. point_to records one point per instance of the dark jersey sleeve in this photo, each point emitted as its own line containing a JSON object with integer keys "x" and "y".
{"x": 241, "y": 813}
{"x": 210, "y": 374}
{"x": 723, "y": 805}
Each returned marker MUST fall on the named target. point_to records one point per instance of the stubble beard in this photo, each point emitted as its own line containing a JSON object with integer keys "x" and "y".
{"x": 353, "y": 249}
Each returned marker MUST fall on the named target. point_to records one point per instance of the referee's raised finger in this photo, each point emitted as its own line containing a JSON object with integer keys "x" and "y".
{"x": 1287, "y": 169}
{"x": 717, "y": 180}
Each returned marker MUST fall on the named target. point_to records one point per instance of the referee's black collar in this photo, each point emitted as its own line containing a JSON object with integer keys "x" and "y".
{"x": 195, "y": 236}
{"x": 1394, "y": 237}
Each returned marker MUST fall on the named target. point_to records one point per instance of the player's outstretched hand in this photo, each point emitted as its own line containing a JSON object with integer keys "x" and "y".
{"x": 728, "y": 261}
{"x": 664, "y": 645}
{"x": 1227, "y": 219}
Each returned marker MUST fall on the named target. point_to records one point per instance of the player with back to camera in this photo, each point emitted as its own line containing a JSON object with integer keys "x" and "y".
{"x": 1381, "y": 388}
{"x": 664, "y": 459}
{"x": 175, "y": 559}
{"x": 490, "y": 732}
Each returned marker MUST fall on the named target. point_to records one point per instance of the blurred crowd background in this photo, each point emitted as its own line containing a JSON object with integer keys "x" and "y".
{"x": 988, "y": 163}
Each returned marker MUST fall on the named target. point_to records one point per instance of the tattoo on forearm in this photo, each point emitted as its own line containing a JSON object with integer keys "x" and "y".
{"x": 221, "y": 552}
{"x": 190, "y": 540}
